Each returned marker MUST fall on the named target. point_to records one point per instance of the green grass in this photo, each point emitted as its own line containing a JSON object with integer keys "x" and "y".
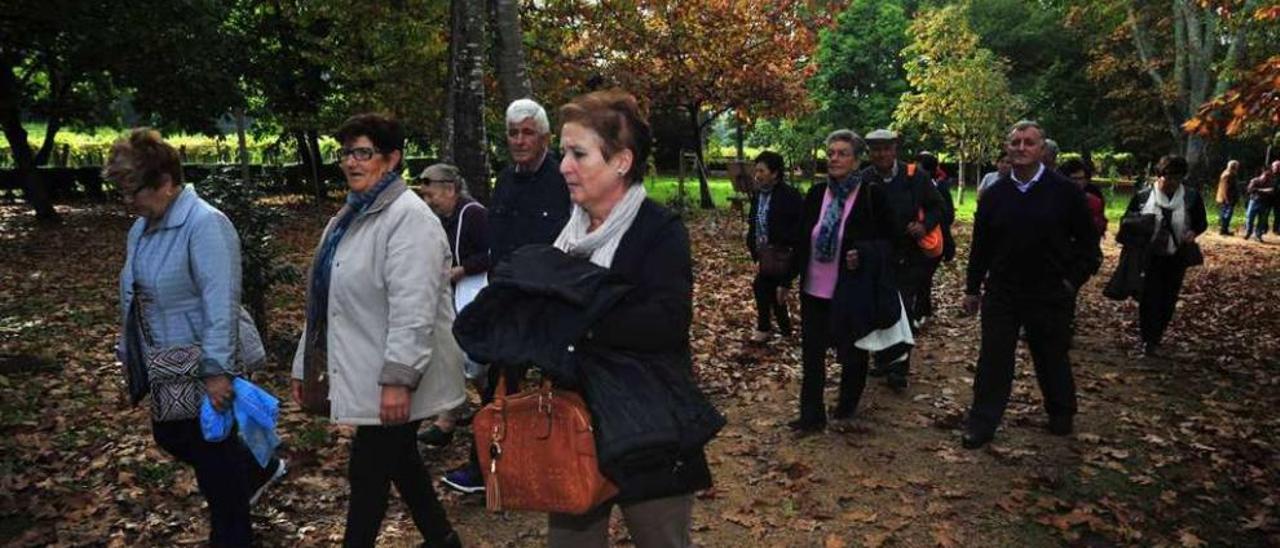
{"x": 664, "y": 187}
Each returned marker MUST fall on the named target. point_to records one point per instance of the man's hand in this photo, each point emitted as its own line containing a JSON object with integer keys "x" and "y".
{"x": 782, "y": 295}
{"x": 971, "y": 304}
{"x": 456, "y": 273}
{"x": 219, "y": 389}
{"x": 395, "y": 405}
{"x": 295, "y": 388}
{"x": 851, "y": 259}
{"x": 915, "y": 229}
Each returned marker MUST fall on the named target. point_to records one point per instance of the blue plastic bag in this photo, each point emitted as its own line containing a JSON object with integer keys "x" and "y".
{"x": 254, "y": 412}
{"x": 214, "y": 424}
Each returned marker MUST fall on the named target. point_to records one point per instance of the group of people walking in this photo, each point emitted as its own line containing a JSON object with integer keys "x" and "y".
{"x": 379, "y": 349}
{"x": 1261, "y": 195}
{"x": 865, "y": 245}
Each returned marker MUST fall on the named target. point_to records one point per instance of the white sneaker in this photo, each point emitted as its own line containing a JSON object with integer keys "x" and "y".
{"x": 281, "y": 470}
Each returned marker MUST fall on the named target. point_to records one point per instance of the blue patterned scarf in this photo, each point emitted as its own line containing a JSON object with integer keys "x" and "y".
{"x": 318, "y": 304}
{"x": 762, "y": 217}
{"x": 828, "y": 238}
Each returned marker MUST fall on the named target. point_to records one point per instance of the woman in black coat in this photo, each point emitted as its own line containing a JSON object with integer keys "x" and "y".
{"x": 842, "y": 224}
{"x": 1180, "y": 218}
{"x": 772, "y": 226}
{"x": 605, "y": 140}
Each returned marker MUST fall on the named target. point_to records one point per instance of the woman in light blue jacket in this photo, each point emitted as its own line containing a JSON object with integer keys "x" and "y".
{"x": 182, "y": 334}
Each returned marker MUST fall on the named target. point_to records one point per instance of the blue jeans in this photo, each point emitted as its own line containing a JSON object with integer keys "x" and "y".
{"x": 1225, "y": 211}
{"x": 1255, "y": 218}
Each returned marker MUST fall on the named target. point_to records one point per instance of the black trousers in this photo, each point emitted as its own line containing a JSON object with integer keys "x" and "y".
{"x": 924, "y": 289}
{"x": 816, "y": 338}
{"x": 1159, "y": 296}
{"x": 223, "y": 473}
{"x": 768, "y": 307}
{"x": 1046, "y": 313}
{"x": 380, "y": 456}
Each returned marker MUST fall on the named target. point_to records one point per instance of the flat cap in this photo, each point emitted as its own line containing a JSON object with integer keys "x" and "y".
{"x": 881, "y": 136}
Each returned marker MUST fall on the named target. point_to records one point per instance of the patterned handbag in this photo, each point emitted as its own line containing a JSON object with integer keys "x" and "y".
{"x": 176, "y": 386}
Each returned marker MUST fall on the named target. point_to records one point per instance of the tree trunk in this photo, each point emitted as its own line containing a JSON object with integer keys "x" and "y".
{"x": 243, "y": 144}
{"x": 468, "y": 148}
{"x": 704, "y": 186}
{"x": 33, "y": 190}
{"x": 738, "y": 141}
{"x": 513, "y": 74}
{"x": 50, "y": 132}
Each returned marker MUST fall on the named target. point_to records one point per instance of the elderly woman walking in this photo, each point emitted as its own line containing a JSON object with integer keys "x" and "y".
{"x": 184, "y": 334}
{"x": 1180, "y": 218}
{"x": 379, "y": 324}
{"x": 466, "y": 226}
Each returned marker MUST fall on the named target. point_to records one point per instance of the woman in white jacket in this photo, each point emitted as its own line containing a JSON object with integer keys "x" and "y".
{"x": 380, "y": 318}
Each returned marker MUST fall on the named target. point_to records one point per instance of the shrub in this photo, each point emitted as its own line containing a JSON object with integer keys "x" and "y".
{"x": 256, "y": 224}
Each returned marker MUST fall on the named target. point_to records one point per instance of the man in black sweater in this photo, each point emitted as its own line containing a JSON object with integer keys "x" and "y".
{"x": 530, "y": 201}
{"x": 916, "y": 209}
{"x": 1033, "y": 247}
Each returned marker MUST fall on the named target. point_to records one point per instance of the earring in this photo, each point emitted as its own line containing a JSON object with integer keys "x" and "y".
{"x": 621, "y": 173}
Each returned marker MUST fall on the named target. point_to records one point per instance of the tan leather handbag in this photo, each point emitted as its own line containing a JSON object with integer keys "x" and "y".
{"x": 538, "y": 452}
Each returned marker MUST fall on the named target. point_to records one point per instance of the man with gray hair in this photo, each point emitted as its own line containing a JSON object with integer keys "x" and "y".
{"x": 1034, "y": 245}
{"x": 530, "y": 205}
{"x": 1051, "y": 151}
{"x": 530, "y": 201}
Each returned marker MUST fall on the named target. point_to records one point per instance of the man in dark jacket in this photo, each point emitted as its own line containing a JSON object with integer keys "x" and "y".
{"x": 776, "y": 209}
{"x": 530, "y": 200}
{"x": 910, "y": 195}
{"x": 1033, "y": 247}
{"x": 530, "y": 205}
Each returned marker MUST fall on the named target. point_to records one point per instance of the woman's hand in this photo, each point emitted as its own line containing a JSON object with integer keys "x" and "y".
{"x": 295, "y": 387}
{"x": 395, "y": 405}
{"x": 218, "y": 387}
{"x": 1189, "y": 236}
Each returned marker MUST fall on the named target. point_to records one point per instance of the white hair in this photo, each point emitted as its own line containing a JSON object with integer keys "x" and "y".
{"x": 524, "y": 109}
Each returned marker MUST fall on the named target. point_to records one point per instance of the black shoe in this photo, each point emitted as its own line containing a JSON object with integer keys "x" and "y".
{"x": 843, "y": 412}
{"x": 878, "y": 371}
{"x": 1060, "y": 425}
{"x": 450, "y": 541}
{"x": 801, "y": 426}
{"x": 975, "y": 440}
{"x": 435, "y": 437}
{"x": 897, "y": 383}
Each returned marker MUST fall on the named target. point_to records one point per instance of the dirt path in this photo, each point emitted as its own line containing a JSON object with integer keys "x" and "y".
{"x": 1176, "y": 451}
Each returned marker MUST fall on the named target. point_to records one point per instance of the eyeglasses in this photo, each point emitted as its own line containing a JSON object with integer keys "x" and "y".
{"x": 359, "y": 153}
{"x": 430, "y": 181}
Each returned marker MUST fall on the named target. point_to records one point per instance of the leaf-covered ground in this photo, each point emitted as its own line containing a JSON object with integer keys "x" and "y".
{"x": 1177, "y": 451}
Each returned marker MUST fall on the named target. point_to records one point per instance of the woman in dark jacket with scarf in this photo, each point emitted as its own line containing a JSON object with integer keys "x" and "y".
{"x": 1180, "y": 218}
{"x": 771, "y": 230}
{"x": 605, "y": 141}
{"x": 839, "y": 217}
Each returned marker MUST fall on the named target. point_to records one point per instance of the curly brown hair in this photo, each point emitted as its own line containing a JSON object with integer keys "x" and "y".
{"x": 142, "y": 159}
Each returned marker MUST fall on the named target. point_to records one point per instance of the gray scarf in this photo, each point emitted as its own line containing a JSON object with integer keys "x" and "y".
{"x": 601, "y": 243}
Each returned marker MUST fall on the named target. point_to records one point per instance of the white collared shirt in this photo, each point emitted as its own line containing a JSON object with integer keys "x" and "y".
{"x": 1024, "y": 187}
